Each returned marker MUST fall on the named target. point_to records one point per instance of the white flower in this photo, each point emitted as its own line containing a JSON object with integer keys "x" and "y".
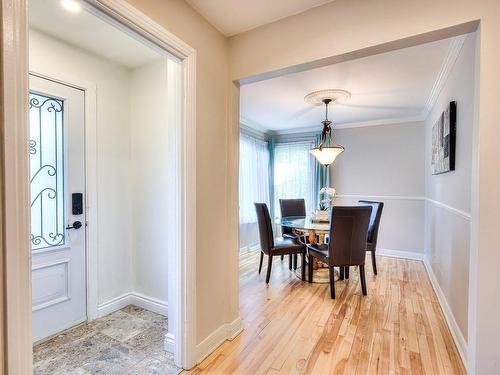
{"x": 328, "y": 191}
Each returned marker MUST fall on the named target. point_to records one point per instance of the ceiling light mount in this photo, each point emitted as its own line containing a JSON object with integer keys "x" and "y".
{"x": 317, "y": 98}
{"x": 327, "y": 150}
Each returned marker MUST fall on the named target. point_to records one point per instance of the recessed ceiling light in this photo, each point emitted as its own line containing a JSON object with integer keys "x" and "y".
{"x": 72, "y": 6}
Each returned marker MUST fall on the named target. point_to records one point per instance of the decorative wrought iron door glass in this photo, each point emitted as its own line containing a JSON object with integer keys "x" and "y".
{"x": 46, "y": 150}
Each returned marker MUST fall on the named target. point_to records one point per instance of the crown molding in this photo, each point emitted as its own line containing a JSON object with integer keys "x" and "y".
{"x": 448, "y": 64}
{"x": 349, "y": 125}
{"x": 253, "y": 125}
{"x": 301, "y": 130}
{"x": 385, "y": 121}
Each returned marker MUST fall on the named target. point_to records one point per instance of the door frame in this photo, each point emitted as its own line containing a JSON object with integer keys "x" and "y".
{"x": 15, "y": 328}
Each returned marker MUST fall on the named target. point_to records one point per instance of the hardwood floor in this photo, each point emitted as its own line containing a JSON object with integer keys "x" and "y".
{"x": 292, "y": 327}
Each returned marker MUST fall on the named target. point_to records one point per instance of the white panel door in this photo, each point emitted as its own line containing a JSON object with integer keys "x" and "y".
{"x": 57, "y": 170}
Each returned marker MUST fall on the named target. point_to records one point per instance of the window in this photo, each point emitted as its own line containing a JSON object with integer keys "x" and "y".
{"x": 46, "y": 171}
{"x": 293, "y": 173}
{"x": 254, "y": 177}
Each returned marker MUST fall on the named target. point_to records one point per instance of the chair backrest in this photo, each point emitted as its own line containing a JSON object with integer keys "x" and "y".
{"x": 348, "y": 233}
{"x": 377, "y": 208}
{"x": 265, "y": 227}
{"x": 292, "y": 207}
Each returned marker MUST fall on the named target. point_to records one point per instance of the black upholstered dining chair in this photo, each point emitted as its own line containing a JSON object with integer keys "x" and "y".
{"x": 376, "y": 214}
{"x": 347, "y": 245}
{"x": 292, "y": 207}
{"x": 271, "y": 246}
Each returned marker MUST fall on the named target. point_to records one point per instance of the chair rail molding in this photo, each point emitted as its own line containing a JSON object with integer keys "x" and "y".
{"x": 381, "y": 197}
{"x": 456, "y": 211}
{"x": 463, "y": 214}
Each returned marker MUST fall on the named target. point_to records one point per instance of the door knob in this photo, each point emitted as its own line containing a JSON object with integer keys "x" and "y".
{"x": 76, "y": 225}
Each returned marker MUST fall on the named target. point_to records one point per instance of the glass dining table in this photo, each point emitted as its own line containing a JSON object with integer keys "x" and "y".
{"x": 316, "y": 231}
{"x": 305, "y": 224}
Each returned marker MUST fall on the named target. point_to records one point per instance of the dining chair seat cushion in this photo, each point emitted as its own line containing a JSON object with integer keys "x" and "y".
{"x": 287, "y": 246}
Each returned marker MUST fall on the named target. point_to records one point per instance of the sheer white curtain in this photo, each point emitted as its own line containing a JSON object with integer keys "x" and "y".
{"x": 293, "y": 173}
{"x": 254, "y": 177}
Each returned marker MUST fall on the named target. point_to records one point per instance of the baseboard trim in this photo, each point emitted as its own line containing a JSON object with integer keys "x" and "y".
{"x": 113, "y": 305}
{"x": 169, "y": 343}
{"x": 132, "y": 298}
{"x": 413, "y": 255}
{"x": 458, "y": 338}
{"x": 234, "y": 329}
{"x": 225, "y": 332}
{"x": 149, "y": 303}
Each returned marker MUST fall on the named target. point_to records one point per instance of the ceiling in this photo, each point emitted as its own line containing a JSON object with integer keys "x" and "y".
{"x": 85, "y": 30}
{"x": 232, "y": 17}
{"x": 387, "y": 88}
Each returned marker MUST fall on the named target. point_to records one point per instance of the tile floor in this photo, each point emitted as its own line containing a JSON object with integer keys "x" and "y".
{"x": 126, "y": 342}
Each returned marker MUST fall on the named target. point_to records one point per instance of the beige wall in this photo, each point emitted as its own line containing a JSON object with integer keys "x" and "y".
{"x": 386, "y": 163}
{"x": 375, "y": 25}
{"x": 212, "y": 95}
{"x": 447, "y": 235}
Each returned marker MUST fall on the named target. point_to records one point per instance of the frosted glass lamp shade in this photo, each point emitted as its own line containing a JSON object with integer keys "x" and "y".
{"x": 327, "y": 155}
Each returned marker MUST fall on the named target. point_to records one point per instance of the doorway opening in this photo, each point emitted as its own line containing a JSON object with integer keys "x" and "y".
{"x": 107, "y": 166}
{"x": 405, "y": 108}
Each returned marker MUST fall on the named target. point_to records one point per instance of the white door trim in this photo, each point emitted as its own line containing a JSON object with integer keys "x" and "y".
{"x": 15, "y": 216}
{"x": 15, "y": 235}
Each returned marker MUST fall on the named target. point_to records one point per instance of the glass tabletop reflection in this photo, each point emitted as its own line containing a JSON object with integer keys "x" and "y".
{"x": 304, "y": 223}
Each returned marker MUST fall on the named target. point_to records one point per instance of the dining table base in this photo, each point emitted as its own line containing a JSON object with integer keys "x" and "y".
{"x": 320, "y": 275}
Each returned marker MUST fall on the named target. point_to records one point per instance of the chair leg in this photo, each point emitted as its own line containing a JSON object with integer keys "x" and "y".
{"x": 310, "y": 269}
{"x": 261, "y": 259}
{"x": 269, "y": 266}
{"x": 290, "y": 261}
{"x": 346, "y": 272}
{"x": 332, "y": 282}
{"x": 374, "y": 263}
{"x": 341, "y": 273}
{"x": 295, "y": 261}
{"x": 303, "y": 269}
{"x": 363, "y": 279}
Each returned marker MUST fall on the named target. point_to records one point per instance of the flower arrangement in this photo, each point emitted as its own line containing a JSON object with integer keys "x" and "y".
{"x": 325, "y": 205}
{"x": 327, "y": 202}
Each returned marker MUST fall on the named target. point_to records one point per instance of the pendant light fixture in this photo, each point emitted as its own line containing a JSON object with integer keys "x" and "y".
{"x": 327, "y": 150}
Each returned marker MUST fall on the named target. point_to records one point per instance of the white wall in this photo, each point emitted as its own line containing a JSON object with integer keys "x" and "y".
{"x": 56, "y": 59}
{"x": 386, "y": 163}
{"x": 131, "y": 173}
{"x": 149, "y": 158}
{"x": 448, "y": 220}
